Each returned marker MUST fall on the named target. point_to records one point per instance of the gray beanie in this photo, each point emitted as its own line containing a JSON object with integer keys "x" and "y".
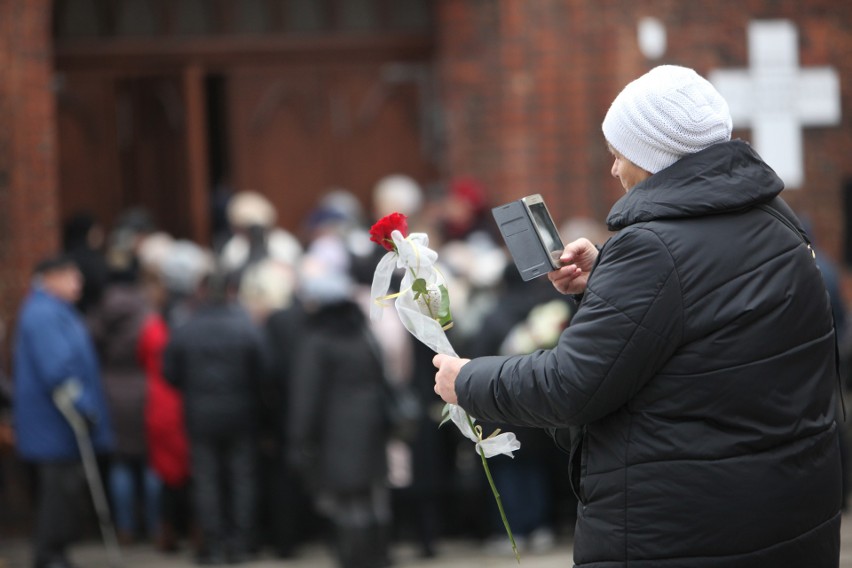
{"x": 664, "y": 115}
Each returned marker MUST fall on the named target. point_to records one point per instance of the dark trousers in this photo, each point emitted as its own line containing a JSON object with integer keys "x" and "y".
{"x": 525, "y": 491}
{"x": 285, "y": 511}
{"x": 361, "y": 523}
{"x": 176, "y": 512}
{"x": 224, "y": 466}
{"x": 62, "y": 506}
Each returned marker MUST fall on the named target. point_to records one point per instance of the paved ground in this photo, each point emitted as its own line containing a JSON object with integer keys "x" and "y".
{"x": 452, "y": 554}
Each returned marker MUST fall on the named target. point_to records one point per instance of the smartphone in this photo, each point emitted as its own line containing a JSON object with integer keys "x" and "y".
{"x": 530, "y": 235}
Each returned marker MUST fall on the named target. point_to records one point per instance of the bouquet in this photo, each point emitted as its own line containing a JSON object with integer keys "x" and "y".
{"x": 423, "y": 305}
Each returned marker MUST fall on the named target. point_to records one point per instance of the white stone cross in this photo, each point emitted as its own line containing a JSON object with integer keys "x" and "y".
{"x": 776, "y": 98}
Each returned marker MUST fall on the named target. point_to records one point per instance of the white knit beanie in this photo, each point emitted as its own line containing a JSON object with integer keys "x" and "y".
{"x": 664, "y": 115}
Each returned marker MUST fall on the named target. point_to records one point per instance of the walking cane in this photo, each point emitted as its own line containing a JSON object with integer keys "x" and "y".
{"x": 64, "y": 397}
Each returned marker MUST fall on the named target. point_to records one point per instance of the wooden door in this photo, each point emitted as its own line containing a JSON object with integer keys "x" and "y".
{"x": 152, "y": 125}
{"x": 296, "y": 133}
{"x": 122, "y": 144}
{"x": 279, "y": 134}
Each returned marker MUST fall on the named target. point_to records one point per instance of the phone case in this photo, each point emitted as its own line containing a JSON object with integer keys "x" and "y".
{"x": 522, "y": 239}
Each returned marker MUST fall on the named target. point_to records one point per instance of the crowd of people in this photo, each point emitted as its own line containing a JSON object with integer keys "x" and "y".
{"x": 240, "y": 398}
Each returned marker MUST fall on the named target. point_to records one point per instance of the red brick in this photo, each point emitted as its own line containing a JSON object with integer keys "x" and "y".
{"x": 28, "y": 184}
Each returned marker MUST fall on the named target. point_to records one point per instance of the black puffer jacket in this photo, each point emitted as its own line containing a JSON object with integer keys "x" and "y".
{"x": 337, "y": 427}
{"x": 217, "y": 361}
{"x": 701, "y": 368}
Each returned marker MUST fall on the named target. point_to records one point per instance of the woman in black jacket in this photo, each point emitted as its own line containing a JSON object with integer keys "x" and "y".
{"x": 217, "y": 360}
{"x": 698, "y": 373}
{"x": 337, "y": 426}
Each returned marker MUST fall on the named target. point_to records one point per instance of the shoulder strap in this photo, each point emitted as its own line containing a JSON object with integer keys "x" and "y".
{"x": 780, "y": 211}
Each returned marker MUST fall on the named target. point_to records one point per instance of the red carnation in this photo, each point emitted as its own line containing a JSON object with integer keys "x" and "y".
{"x": 381, "y": 232}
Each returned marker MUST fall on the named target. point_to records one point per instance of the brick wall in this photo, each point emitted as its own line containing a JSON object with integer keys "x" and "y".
{"x": 526, "y": 85}
{"x": 28, "y": 185}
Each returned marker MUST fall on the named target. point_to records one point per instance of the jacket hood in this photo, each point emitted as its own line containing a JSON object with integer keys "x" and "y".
{"x": 722, "y": 178}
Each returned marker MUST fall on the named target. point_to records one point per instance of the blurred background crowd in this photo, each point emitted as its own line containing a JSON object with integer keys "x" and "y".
{"x": 255, "y": 407}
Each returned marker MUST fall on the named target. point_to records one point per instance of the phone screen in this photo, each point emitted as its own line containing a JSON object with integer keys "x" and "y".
{"x": 546, "y": 230}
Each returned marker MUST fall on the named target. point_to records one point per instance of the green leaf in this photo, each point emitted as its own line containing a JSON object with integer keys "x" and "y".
{"x": 445, "y": 317}
{"x": 445, "y": 413}
{"x": 419, "y": 287}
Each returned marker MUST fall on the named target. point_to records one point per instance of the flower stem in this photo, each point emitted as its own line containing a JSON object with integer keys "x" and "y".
{"x": 494, "y": 490}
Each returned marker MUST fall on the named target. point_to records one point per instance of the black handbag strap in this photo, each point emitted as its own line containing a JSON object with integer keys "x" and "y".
{"x": 779, "y": 209}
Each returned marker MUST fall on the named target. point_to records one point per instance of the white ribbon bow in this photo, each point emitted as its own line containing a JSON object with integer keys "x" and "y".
{"x": 414, "y": 255}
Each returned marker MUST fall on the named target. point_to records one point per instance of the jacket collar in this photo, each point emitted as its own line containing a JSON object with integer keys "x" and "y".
{"x": 722, "y": 178}
{"x": 41, "y": 292}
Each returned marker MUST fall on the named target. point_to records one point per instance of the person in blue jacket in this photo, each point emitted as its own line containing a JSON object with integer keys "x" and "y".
{"x": 52, "y": 346}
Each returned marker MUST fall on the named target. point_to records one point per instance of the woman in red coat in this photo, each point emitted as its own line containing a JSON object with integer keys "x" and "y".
{"x": 168, "y": 448}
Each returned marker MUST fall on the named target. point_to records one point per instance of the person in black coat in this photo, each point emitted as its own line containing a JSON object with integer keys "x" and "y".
{"x": 699, "y": 371}
{"x": 217, "y": 360}
{"x": 337, "y": 426}
{"x": 285, "y": 509}
{"x": 82, "y": 240}
{"x": 116, "y": 324}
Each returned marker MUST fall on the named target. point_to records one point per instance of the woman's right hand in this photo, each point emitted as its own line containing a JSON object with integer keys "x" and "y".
{"x": 577, "y": 260}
